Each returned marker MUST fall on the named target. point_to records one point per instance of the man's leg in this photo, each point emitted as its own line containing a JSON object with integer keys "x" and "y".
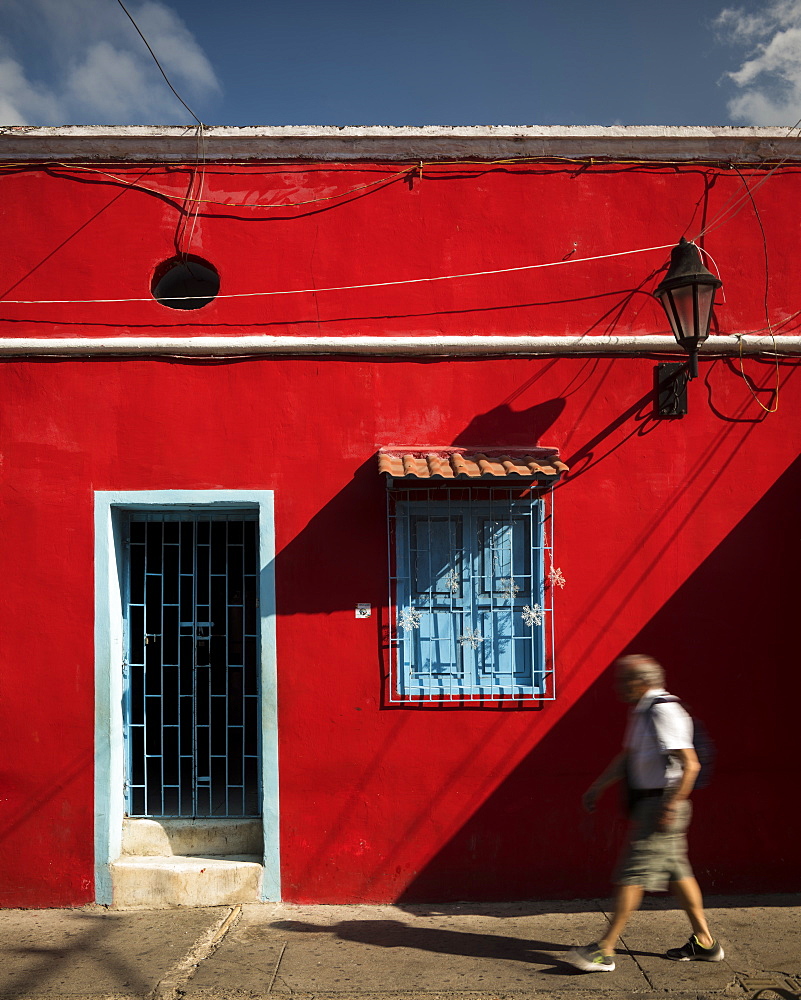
{"x": 688, "y": 893}
{"x": 627, "y": 900}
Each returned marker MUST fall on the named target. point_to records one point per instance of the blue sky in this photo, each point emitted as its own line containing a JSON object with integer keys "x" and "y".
{"x": 415, "y": 62}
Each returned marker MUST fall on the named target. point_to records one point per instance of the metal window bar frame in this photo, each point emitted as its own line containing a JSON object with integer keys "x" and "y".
{"x": 479, "y": 499}
{"x": 141, "y": 799}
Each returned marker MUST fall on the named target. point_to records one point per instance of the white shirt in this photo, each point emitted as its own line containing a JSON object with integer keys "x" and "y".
{"x": 650, "y": 740}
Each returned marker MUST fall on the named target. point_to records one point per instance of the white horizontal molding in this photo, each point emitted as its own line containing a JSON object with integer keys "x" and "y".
{"x": 397, "y": 346}
{"x": 431, "y": 142}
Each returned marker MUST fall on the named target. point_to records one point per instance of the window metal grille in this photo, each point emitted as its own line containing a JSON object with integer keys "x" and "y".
{"x": 191, "y": 671}
{"x": 471, "y": 619}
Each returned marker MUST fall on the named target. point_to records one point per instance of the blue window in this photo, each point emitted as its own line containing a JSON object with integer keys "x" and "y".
{"x": 469, "y": 595}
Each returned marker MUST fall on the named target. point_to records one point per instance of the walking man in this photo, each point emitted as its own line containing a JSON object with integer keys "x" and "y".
{"x": 660, "y": 766}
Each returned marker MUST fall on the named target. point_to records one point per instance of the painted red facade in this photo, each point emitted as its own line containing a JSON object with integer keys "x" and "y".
{"x": 676, "y": 537}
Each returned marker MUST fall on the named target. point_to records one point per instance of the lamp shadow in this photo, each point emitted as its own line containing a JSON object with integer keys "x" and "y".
{"x": 362, "y": 501}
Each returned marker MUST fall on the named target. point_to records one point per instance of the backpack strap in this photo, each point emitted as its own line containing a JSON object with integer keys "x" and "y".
{"x": 703, "y": 743}
{"x": 670, "y": 699}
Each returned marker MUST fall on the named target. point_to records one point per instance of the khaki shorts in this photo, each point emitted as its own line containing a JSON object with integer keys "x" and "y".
{"x": 653, "y": 858}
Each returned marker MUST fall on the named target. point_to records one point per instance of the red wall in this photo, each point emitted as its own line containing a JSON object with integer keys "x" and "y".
{"x": 678, "y": 538}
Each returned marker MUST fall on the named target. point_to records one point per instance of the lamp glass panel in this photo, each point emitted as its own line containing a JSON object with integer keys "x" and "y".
{"x": 706, "y": 299}
{"x": 683, "y": 299}
{"x": 667, "y": 304}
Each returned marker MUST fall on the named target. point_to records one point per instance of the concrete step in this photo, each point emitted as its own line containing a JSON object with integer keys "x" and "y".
{"x": 160, "y": 882}
{"x": 198, "y": 838}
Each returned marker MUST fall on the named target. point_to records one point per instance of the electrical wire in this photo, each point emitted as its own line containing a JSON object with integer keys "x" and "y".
{"x": 200, "y": 150}
{"x": 155, "y": 60}
{"x": 539, "y": 159}
{"x": 709, "y": 256}
{"x": 199, "y": 170}
{"x": 735, "y": 205}
{"x": 201, "y": 142}
{"x": 386, "y": 180}
{"x": 739, "y": 202}
{"x": 345, "y": 288}
{"x": 775, "y": 405}
{"x": 252, "y": 205}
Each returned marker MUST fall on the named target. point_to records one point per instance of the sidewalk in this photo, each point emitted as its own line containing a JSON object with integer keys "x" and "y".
{"x": 467, "y": 951}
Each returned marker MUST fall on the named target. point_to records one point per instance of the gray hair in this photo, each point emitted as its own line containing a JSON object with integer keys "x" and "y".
{"x": 643, "y": 668}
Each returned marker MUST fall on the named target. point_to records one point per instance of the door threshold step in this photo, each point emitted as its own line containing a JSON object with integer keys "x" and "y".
{"x": 154, "y": 882}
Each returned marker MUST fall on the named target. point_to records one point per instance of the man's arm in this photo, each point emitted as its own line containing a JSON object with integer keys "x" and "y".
{"x": 690, "y": 768}
{"x": 613, "y": 772}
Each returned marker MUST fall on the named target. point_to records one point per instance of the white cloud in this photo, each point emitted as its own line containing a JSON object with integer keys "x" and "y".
{"x": 82, "y": 62}
{"x": 770, "y": 75}
{"x": 19, "y": 99}
{"x": 110, "y": 82}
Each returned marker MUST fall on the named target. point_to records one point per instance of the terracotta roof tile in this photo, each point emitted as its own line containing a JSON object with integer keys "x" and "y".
{"x": 440, "y": 463}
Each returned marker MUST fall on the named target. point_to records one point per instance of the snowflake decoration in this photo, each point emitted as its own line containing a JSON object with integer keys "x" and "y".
{"x": 471, "y": 637}
{"x": 509, "y": 588}
{"x": 556, "y": 577}
{"x": 452, "y": 582}
{"x": 409, "y": 618}
{"x": 533, "y": 616}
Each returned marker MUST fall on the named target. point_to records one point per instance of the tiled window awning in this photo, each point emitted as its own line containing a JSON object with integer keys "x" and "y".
{"x": 540, "y": 465}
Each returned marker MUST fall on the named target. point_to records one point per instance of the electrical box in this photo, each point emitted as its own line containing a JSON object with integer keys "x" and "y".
{"x": 670, "y": 388}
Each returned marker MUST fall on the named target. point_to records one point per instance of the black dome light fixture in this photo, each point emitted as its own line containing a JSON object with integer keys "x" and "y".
{"x": 687, "y": 294}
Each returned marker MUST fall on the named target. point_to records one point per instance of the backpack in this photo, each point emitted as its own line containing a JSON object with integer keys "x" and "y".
{"x": 703, "y": 744}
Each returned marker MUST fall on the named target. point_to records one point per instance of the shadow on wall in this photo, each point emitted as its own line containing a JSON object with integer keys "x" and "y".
{"x": 728, "y": 641}
{"x": 502, "y": 425}
{"x": 345, "y": 542}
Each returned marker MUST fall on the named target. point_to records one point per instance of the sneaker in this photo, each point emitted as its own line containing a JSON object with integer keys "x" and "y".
{"x": 591, "y": 959}
{"x": 695, "y": 952}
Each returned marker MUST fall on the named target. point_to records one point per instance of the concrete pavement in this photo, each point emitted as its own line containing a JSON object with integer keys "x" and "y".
{"x": 467, "y": 951}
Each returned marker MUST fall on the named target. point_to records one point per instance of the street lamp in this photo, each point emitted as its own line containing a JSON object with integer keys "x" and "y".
{"x": 687, "y": 294}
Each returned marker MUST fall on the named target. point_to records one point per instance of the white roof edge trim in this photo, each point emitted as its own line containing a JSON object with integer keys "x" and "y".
{"x": 398, "y": 131}
{"x": 457, "y": 346}
{"x": 433, "y": 142}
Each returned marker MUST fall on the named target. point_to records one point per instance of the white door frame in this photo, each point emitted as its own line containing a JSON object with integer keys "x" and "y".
{"x": 110, "y": 562}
